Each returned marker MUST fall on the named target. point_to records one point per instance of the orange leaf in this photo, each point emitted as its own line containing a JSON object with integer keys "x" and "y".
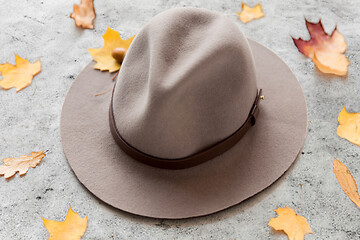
{"x": 103, "y": 56}
{"x": 72, "y": 228}
{"x": 326, "y": 51}
{"x": 295, "y": 226}
{"x": 248, "y": 14}
{"x": 349, "y": 126}
{"x": 22, "y": 164}
{"x": 347, "y": 181}
{"x": 19, "y": 75}
{"x": 84, "y": 14}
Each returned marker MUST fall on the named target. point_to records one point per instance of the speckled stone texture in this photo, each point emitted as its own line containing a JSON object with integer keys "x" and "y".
{"x": 30, "y": 121}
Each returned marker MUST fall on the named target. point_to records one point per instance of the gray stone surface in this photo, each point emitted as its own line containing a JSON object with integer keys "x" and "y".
{"x": 29, "y": 120}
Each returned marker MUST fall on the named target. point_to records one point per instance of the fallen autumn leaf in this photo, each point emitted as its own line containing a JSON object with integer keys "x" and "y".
{"x": 347, "y": 181}
{"x": 19, "y": 75}
{"x": 248, "y": 14}
{"x": 326, "y": 51}
{"x": 103, "y": 56}
{"x": 84, "y": 14}
{"x": 22, "y": 164}
{"x": 72, "y": 228}
{"x": 295, "y": 226}
{"x": 349, "y": 126}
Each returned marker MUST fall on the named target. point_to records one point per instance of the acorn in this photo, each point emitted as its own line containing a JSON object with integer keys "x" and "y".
{"x": 118, "y": 54}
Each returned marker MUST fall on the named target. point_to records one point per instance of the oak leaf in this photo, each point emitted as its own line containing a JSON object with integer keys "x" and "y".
{"x": 72, "y": 228}
{"x": 84, "y": 14}
{"x": 326, "y": 51}
{"x": 349, "y": 126}
{"x": 103, "y": 56}
{"x": 248, "y": 14}
{"x": 347, "y": 181}
{"x": 295, "y": 226}
{"x": 22, "y": 164}
{"x": 19, "y": 75}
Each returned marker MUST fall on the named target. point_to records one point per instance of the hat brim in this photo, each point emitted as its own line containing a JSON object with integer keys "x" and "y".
{"x": 266, "y": 151}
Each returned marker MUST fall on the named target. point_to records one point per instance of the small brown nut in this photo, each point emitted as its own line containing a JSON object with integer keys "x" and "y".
{"x": 118, "y": 54}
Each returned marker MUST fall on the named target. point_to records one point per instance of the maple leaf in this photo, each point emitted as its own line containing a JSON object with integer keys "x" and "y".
{"x": 22, "y": 164}
{"x": 326, "y": 51}
{"x": 349, "y": 126}
{"x": 72, "y": 228}
{"x": 248, "y": 14}
{"x": 84, "y": 14}
{"x": 103, "y": 56}
{"x": 347, "y": 181}
{"x": 295, "y": 226}
{"x": 19, "y": 75}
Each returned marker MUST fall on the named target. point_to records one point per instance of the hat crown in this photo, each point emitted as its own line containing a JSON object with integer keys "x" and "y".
{"x": 187, "y": 82}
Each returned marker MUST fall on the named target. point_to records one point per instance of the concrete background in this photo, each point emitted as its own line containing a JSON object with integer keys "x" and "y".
{"x": 29, "y": 121}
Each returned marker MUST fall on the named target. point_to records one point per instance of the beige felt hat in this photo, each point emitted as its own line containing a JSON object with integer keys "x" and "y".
{"x": 186, "y": 131}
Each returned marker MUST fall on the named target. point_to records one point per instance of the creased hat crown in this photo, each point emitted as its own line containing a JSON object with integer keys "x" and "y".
{"x": 187, "y": 82}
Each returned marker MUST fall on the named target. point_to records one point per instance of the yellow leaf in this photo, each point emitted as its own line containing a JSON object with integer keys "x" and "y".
{"x": 84, "y": 14}
{"x": 248, "y": 14}
{"x": 103, "y": 56}
{"x": 349, "y": 126}
{"x": 72, "y": 228}
{"x": 330, "y": 62}
{"x": 295, "y": 226}
{"x": 326, "y": 51}
{"x": 19, "y": 75}
{"x": 22, "y": 164}
{"x": 347, "y": 181}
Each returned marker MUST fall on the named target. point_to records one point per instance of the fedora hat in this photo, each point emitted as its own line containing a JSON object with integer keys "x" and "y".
{"x": 200, "y": 118}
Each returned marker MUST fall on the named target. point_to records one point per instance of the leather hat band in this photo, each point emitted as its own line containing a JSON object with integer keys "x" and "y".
{"x": 194, "y": 159}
